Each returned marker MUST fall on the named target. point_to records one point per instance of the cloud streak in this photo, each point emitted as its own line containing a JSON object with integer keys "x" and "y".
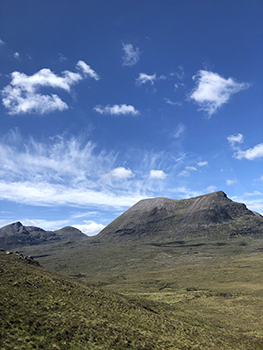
{"x": 212, "y": 91}
{"x": 22, "y": 94}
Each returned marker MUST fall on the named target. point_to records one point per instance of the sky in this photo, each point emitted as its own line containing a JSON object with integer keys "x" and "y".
{"x": 104, "y": 103}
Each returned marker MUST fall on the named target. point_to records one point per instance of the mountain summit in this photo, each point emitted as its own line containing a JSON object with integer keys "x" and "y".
{"x": 163, "y": 218}
{"x": 17, "y": 235}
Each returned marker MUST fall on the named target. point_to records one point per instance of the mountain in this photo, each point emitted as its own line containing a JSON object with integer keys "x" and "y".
{"x": 161, "y": 218}
{"x": 16, "y": 235}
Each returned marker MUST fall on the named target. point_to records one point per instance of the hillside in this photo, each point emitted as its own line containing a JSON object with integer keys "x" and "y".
{"x": 16, "y": 236}
{"x": 42, "y": 310}
{"x": 211, "y": 215}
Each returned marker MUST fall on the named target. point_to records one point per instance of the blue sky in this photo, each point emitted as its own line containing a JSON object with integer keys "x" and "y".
{"x": 104, "y": 103}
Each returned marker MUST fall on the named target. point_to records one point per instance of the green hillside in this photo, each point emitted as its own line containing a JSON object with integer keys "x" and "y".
{"x": 42, "y": 310}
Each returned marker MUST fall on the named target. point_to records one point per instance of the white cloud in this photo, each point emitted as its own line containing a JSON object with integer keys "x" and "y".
{"x": 251, "y": 153}
{"x": 16, "y": 103}
{"x": 184, "y": 173}
{"x": 22, "y": 96}
{"x": 45, "y": 224}
{"x": 71, "y": 171}
{"x": 16, "y": 55}
{"x": 116, "y": 109}
{"x": 61, "y": 57}
{"x": 255, "y": 193}
{"x": 179, "y": 131}
{"x": 87, "y": 70}
{"x": 48, "y": 194}
{"x": 157, "y": 174}
{"x": 131, "y": 56}
{"x": 191, "y": 168}
{"x": 211, "y": 188}
{"x": 121, "y": 173}
{"x": 230, "y": 182}
{"x": 180, "y": 74}
{"x": 2, "y": 42}
{"x": 238, "y": 138}
{"x": 144, "y": 78}
{"x": 202, "y": 163}
{"x": 169, "y": 102}
{"x": 212, "y": 90}
{"x": 176, "y": 86}
{"x": 90, "y": 229}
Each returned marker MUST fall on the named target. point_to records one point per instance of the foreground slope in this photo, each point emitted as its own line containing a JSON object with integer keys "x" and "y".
{"x": 43, "y": 310}
{"x": 161, "y": 218}
{"x": 16, "y": 235}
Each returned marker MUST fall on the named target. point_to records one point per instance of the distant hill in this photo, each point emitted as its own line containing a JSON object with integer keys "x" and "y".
{"x": 161, "y": 218}
{"x": 16, "y": 235}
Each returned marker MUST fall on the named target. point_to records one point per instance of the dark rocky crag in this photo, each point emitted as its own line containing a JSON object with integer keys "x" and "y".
{"x": 16, "y": 235}
{"x": 163, "y": 219}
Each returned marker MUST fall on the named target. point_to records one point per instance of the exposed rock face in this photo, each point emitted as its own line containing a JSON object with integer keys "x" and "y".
{"x": 161, "y": 218}
{"x": 16, "y": 235}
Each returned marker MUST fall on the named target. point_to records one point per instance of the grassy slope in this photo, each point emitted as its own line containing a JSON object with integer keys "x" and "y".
{"x": 40, "y": 309}
{"x": 203, "y": 295}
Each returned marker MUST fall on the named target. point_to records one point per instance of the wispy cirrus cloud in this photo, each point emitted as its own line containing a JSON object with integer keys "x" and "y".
{"x": 254, "y": 193}
{"x": 230, "y": 182}
{"x": 211, "y": 188}
{"x": 2, "y": 42}
{"x": 212, "y": 91}
{"x": 172, "y": 103}
{"x": 60, "y": 172}
{"x": 187, "y": 171}
{"x": 63, "y": 171}
{"x": 130, "y": 55}
{"x": 23, "y": 94}
{"x": 179, "y": 131}
{"x": 71, "y": 171}
{"x": 117, "y": 109}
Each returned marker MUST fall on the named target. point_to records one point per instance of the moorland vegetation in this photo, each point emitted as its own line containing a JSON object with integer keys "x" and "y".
{"x": 187, "y": 276}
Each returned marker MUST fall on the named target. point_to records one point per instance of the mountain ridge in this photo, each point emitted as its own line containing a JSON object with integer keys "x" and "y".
{"x": 163, "y": 218}
{"x": 16, "y": 235}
